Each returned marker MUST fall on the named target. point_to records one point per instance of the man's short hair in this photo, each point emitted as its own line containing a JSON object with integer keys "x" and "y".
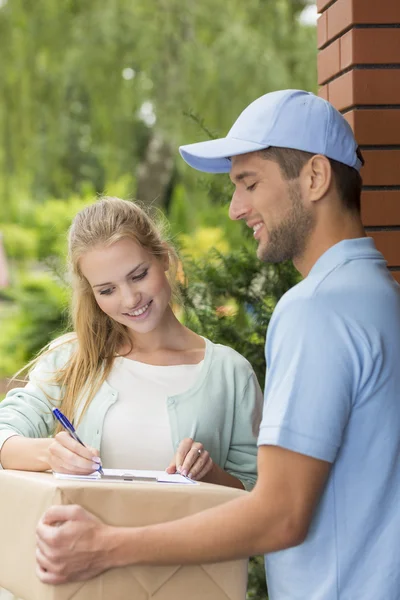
{"x": 348, "y": 180}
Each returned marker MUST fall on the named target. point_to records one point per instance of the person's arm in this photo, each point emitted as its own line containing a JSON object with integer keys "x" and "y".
{"x": 194, "y": 461}
{"x": 221, "y": 477}
{"x": 26, "y": 422}
{"x": 21, "y": 453}
{"x": 61, "y": 454}
{"x": 241, "y": 462}
{"x": 74, "y": 545}
{"x": 240, "y": 469}
{"x": 26, "y": 418}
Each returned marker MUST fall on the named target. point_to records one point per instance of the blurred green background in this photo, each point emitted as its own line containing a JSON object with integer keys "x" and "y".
{"x": 96, "y": 97}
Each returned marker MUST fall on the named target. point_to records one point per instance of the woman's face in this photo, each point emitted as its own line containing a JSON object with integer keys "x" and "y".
{"x": 129, "y": 284}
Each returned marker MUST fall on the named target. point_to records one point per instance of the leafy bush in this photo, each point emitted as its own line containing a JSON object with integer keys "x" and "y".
{"x": 20, "y": 243}
{"x": 202, "y": 239}
{"x": 37, "y": 316}
{"x": 230, "y": 299}
{"x": 256, "y": 584}
{"x": 52, "y": 220}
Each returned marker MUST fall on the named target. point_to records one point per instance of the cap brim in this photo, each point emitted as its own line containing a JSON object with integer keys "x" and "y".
{"x": 213, "y": 156}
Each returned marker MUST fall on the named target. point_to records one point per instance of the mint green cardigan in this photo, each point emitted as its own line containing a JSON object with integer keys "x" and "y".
{"x": 222, "y": 410}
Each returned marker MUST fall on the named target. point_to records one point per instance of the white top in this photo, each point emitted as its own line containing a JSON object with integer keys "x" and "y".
{"x": 136, "y": 432}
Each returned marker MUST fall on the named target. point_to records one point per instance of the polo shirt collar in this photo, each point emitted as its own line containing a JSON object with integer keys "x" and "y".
{"x": 346, "y": 250}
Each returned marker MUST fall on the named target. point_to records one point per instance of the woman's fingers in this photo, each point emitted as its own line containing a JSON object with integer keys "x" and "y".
{"x": 66, "y": 455}
{"x": 199, "y": 464}
{"x": 94, "y": 451}
{"x": 171, "y": 469}
{"x": 206, "y": 469}
{"x": 70, "y": 467}
{"x": 191, "y": 460}
{"x": 195, "y": 460}
{"x": 68, "y": 442}
{"x": 183, "y": 449}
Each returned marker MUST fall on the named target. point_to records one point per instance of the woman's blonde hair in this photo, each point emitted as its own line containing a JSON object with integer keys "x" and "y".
{"x": 99, "y": 338}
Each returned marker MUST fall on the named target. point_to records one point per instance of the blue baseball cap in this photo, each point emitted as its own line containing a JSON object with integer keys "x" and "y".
{"x": 285, "y": 119}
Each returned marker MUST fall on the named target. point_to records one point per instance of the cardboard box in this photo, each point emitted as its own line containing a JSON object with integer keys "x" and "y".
{"x": 25, "y": 496}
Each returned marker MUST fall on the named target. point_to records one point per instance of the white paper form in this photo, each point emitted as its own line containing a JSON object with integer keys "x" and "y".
{"x": 130, "y": 476}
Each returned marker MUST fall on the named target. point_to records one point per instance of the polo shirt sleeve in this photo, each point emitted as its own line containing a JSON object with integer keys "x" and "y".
{"x": 313, "y": 362}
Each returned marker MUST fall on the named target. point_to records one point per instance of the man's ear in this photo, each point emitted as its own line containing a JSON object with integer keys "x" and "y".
{"x": 317, "y": 177}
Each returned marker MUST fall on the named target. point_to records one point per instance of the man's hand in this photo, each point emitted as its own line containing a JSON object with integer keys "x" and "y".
{"x": 191, "y": 460}
{"x": 72, "y": 545}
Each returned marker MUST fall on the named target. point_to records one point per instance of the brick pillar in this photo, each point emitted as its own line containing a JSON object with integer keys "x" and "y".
{"x": 359, "y": 73}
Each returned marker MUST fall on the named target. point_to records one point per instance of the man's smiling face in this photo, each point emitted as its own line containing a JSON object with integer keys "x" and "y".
{"x": 271, "y": 205}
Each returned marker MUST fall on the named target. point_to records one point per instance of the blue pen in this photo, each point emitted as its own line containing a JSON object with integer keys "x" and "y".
{"x": 70, "y": 428}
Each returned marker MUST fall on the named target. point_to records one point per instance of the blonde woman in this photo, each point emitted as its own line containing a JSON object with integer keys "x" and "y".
{"x": 143, "y": 391}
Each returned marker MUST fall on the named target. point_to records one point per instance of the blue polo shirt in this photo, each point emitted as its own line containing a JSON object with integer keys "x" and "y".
{"x": 333, "y": 392}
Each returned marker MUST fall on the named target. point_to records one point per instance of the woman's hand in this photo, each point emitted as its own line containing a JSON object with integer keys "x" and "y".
{"x": 66, "y": 455}
{"x": 191, "y": 459}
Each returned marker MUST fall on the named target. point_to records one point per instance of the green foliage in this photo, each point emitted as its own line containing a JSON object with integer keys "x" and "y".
{"x": 78, "y": 78}
{"x": 20, "y": 243}
{"x": 52, "y": 220}
{"x": 205, "y": 205}
{"x": 230, "y": 298}
{"x": 203, "y": 238}
{"x": 256, "y": 585}
{"x": 37, "y": 316}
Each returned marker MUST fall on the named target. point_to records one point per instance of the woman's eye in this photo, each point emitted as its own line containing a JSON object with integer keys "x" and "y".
{"x": 106, "y": 292}
{"x": 141, "y": 276}
{"x": 251, "y": 187}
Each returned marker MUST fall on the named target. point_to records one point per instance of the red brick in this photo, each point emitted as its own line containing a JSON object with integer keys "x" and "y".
{"x": 322, "y": 4}
{"x": 369, "y": 46}
{"x": 380, "y": 208}
{"x": 382, "y": 167}
{"x": 339, "y": 17}
{"x": 322, "y": 30}
{"x": 323, "y": 92}
{"x": 328, "y": 61}
{"x": 382, "y": 12}
{"x": 345, "y": 13}
{"x": 375, "y": 127}
{"x": 346, "y": 49}
{"x": 365, "y": 86}
{"x": 388, "y": 242}
{"x": 341, "y": 91}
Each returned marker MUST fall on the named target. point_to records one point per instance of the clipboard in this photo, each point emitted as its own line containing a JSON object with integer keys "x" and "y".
{"x": 131, "y": 476}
